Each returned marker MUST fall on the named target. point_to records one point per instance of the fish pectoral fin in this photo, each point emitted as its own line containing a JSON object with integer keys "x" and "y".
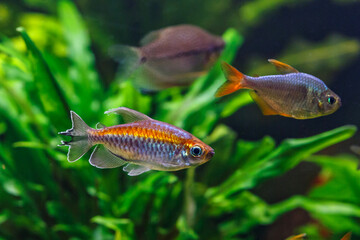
{"x": 128, "y": 114}
{"x": 282, "y": 67}
{"x": 265, "y": 108}
{"x": 99, "y": 125}
{"x": 134, "y": 170}
{"x": 103, "y": 158}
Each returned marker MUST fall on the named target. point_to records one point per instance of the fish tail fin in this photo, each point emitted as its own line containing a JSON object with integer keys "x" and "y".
{"x": 79, "y": 143}
{"x": 128, "y": 59}
{"x": 235, "y": 80}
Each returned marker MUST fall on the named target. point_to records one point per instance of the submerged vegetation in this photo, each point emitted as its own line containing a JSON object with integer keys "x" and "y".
{"x": 49, "y": 68}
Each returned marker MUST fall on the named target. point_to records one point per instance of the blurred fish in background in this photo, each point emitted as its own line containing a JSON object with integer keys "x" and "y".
{"x": 169, "y": 57}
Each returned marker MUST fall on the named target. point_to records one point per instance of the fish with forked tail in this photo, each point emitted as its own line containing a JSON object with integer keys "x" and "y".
{"x": 293, "y": 94}
{"x": 169, "y": 57}
{"x": 142, "y": 143}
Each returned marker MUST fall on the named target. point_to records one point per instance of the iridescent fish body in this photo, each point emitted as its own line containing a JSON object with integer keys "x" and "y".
{"x": 168, "y": 57}
{"x": 142, "y": 143}
{"x": 293, "y": 94}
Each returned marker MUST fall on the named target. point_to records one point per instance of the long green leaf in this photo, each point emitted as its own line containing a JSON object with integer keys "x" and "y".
{"x": 286, "y": 156}
{"x": 52, "y": 100}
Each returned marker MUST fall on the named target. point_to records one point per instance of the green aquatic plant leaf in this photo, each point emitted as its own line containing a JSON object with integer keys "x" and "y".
{"x": 287, "y": 155}
{"x": 314, "y": 57}
{"x": 329, "y": 212}
{"x": 253, "y": 12}
{"x": 116, "y": 224}
{"x": 81, "y": 72}
{"x": 336, "y": 173}
{"x": 52, "y": 100}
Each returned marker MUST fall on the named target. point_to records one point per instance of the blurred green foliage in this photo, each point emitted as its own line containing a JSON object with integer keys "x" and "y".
{"x": 49, "y": 68}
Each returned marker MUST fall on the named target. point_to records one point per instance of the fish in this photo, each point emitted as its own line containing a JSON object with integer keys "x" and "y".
{"x": 141, "y": 143}
{"x": 292, "y": 94}
{"x": 169, "y": 57}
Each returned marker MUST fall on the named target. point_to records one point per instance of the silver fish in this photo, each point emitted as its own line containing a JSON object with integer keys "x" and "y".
{"x": 168, "y": 57}
{"x": 293, "y": 94}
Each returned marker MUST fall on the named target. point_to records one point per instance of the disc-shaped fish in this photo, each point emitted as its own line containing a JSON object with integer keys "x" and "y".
{"x": 293, "y": 94}
{"x": 171, "y": 56}
{"x": 142, "y": 143}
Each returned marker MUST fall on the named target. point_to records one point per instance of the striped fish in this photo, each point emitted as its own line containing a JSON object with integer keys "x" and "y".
{"x": 142, "y": 143}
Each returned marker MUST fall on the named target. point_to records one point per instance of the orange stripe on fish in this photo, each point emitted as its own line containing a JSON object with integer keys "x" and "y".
{"x": 158, "y": 135}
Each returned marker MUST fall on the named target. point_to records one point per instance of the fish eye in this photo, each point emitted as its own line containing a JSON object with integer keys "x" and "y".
{"x": 331, "y": 100}
{"x": 196, "y": 151}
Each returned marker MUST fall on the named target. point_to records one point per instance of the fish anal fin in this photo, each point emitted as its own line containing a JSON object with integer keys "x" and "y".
{"x": 265, "y": 108}
{"x": 134, "y": 170}
{"x": 103, "y": 158}
{"x": 129, "y": 115}
{"x": 282, "y": 67}
{"x": 226, "y": 89}
{"x": 235, "y": 80}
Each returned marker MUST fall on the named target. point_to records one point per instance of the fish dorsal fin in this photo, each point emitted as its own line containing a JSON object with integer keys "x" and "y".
{"x": 103, "y": 158}
{"x": 129, "y": 115}
{"x": 134, "y": 170}
{"x": 99, "y": 125}
{"x": 265, "y": 108}
{"x": 282, "y": 67}
{"x": 150, "y": 37}
{"x": 347, "y": 236}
